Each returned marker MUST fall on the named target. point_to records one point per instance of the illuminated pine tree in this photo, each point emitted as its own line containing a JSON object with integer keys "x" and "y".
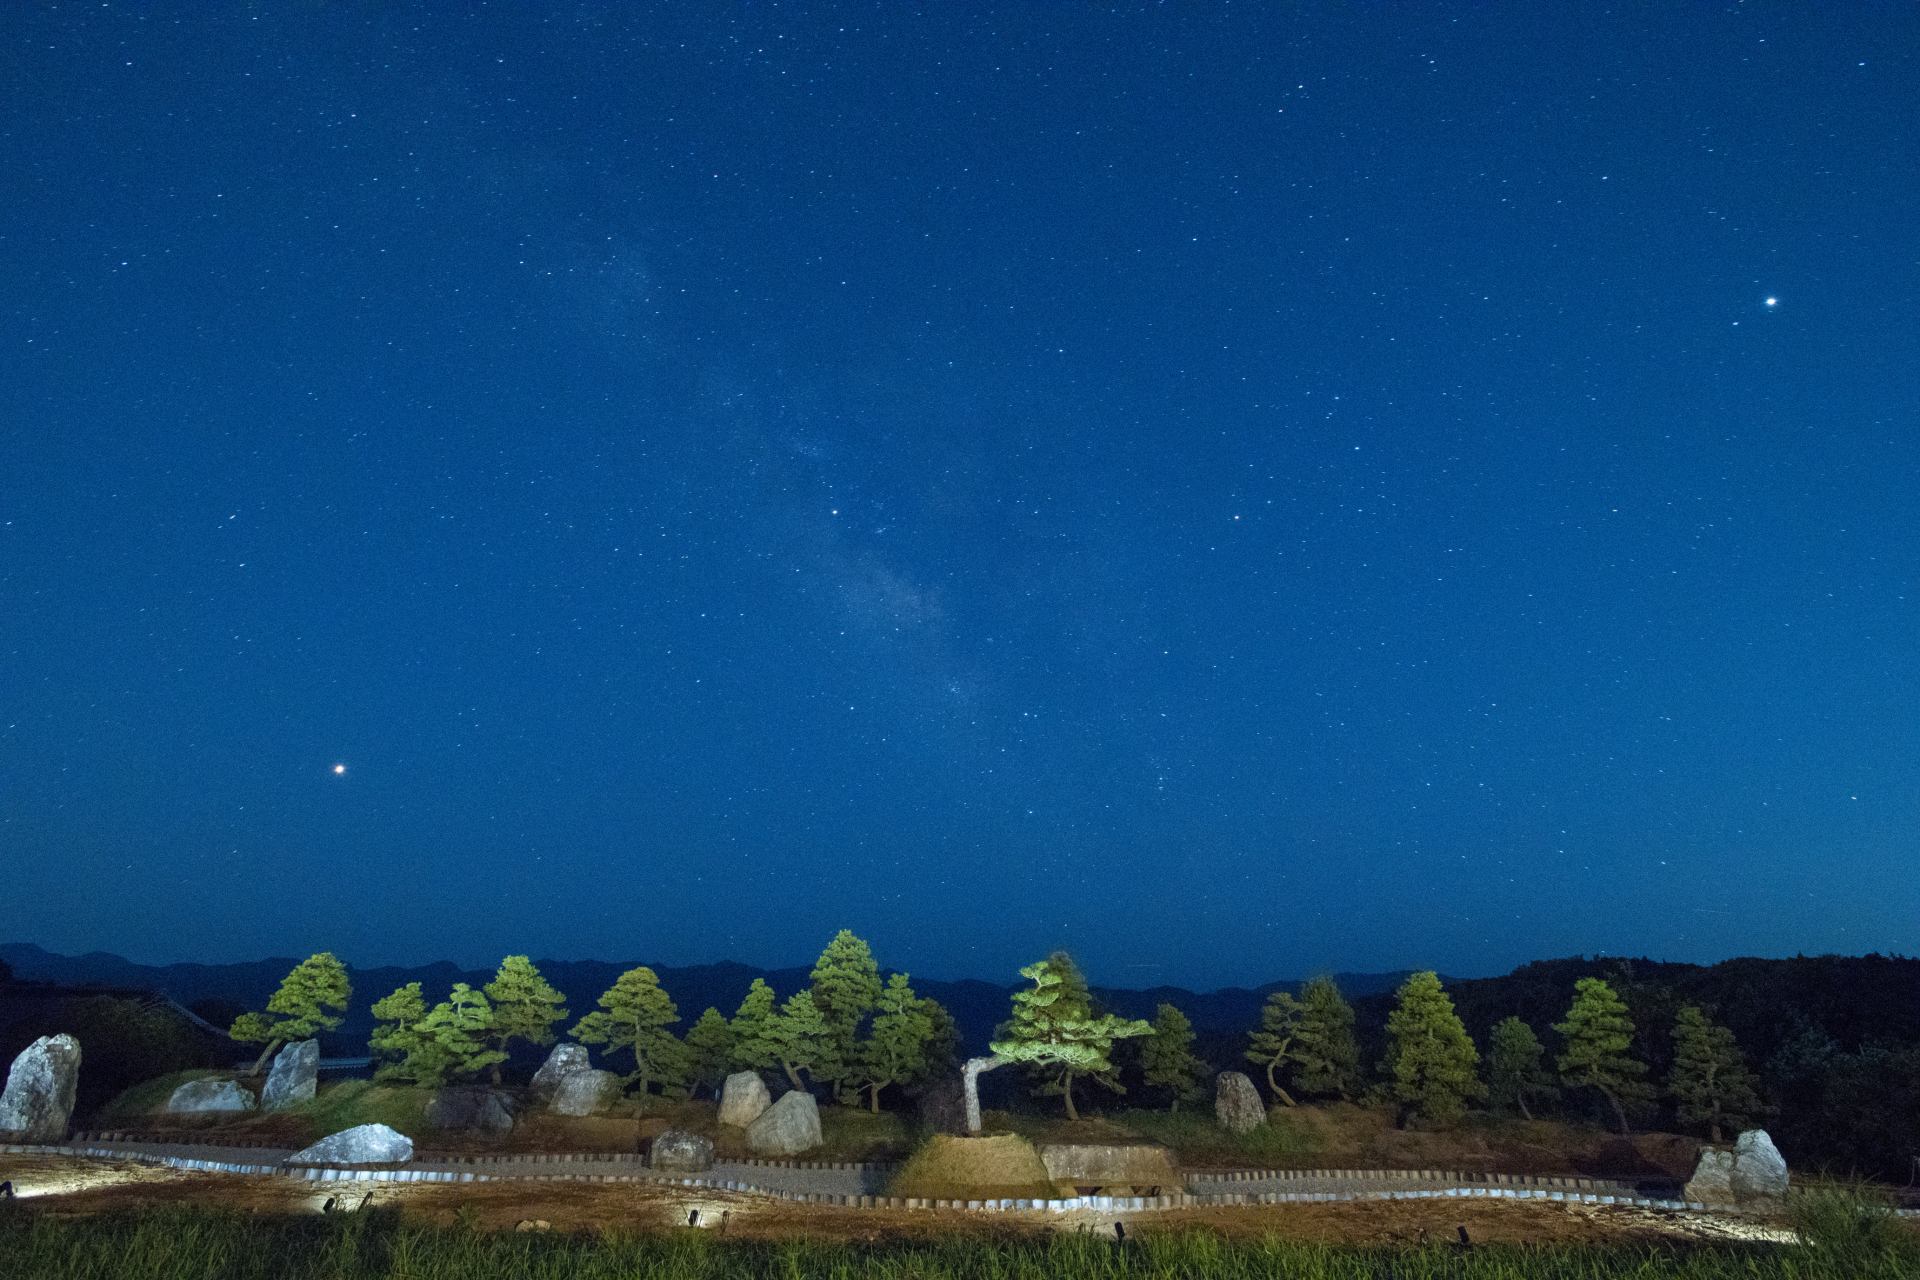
{"x": 895, "y": 1050}
{"x": 1598, "y": 1053}
{"x": 1271, "y": 1043}
{"x": 312, "y": 998}
{"x": 803, "y": 1042}
{"x": 525, "y": 1007}
{"x": 1433, "y": 1061}
{"x": 1514, "y": 1073}
{"x": 634, "y": 1015}
{"x": 1055, "y": 1030}
{"x": 846, "y": 987}
{"x": 1167, "y": 1059}
{"x": 754, "y": 1044}
{"x": 1326, "y": 1056}
{"x": 709, "y": 1047}
{"x": 397, "y": 1039}
{"x": 453, "y": 1039}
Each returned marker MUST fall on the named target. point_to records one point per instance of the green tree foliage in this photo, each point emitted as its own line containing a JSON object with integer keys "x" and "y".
{"x": 943, "y": 1038}
{"x": 1326, "y": 1056}
{"x": 755, "y": 1048}
{"x": 802, "y": 1041}
{"x": 634, "y": 1015}
{"x": 895, "y": 1051}
{"x": 709, "y": 1051}
{"x": 1167, "y": 1059}
{"x": 453, "y": 1040}
{"x": 1514, "y": 1070}
{"x": 1056, "y": 1030}
{"x": 846, "y": 988}
{"x": 1271, "y": 1043}
{"x": 311, "y": 999}
{"x": 1710, "y": 1082}
{"x": 1434, "y": 1065}
{"x": 525, "y": 1006}
{"x": 1598, "y": 1037}
{"x": 397, "y": 1040}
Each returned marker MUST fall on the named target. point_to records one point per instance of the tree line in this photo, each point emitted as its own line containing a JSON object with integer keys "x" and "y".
{"x": 854, "y": 1037}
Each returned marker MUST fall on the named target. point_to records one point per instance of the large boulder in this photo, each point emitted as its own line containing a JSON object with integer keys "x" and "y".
{"x": 786, "y": 1128}
{"x": 680, "y": 1151}
{"x": 296, "y": 1069}
{"x": 1759, "y": 1175}
{"x": 942, "y": 1107}
{"x": 565, "y": 1060}
{"x": 1236, "y": 1103}
{"x": 364, "y": 1144}
{"x": 743, "y": 1098}
{"x": 38, "y": 1100}
{"x": 470, "y": 1109}
{"x": 584, "y": 1093}
{"x": 209, "y": 1097}
{"x": 1751, "y": 1176}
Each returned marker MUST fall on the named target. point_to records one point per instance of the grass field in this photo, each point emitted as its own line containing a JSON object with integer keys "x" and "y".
{"x": 203, "y": 1244}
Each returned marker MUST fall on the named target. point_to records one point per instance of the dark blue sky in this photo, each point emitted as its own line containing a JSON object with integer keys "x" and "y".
{"x": 1232, "y": 490}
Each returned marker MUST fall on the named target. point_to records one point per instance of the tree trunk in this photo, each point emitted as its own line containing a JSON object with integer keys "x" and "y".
{"x": 793, "y": 1077}
{"x": 1521, "y": 1098}
{"x": 1066, "y": 1091}
{"x": 496, "y": 1074}
{"x": 970, "y": 1084}
{"x": 873, "y": 1094}
{"x": 1286, "y": 1099}
{"x": 1618, "y": 1112}
{"x": 260, "y": 1063}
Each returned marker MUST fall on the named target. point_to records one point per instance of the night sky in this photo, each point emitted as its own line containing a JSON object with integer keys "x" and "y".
{"x": 1232, "y": 490}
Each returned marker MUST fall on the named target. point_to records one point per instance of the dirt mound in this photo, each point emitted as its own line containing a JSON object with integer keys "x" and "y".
{"x": 949, "y": 1168}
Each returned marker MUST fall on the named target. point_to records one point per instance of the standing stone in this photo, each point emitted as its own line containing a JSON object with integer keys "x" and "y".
{"x": 38, "y": 1100}
{"x": 296, "y": 1068}
{"x": 1759, "y": 1174}
{"x": 786, "y": 1128}
{"x": 1712, "y": 1180}
{"x": 743, "y": 1098}
{"x": 584, "y": 1093}
{"x": 209, "y": 1097}
{"x": 565, "y": 1060}
{"x": 680, "y": 1151}
{"x": 470, "y": 1109}
{"x": 942, "y": 1107}
{"x": 1236, "y": 1103}
{"x": 362, "y": 1144}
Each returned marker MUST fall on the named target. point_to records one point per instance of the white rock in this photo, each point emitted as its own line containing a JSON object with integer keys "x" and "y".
{"x": 786, "y": 1128}
{"x": 363, "y": 1144}
{"x": 209, "y": 1097}
{"x": 38, "y": 1101}
{"x": 1236, "y": 1103}
{"x": 1759, "y": 1170}
{"x": 743, "y": 1098}
{"x": 296, "y": 1070}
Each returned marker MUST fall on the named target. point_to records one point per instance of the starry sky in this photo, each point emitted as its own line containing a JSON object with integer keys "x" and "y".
{"x": 1235, "y": 490}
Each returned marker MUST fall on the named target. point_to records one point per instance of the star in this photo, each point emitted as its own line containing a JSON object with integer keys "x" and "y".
{"x": 339, "y": 770}
{"x": 1773, "y": 302}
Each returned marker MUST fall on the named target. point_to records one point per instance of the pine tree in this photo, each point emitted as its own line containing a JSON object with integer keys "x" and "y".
{"x": 525, "y": 1007}
{"x": 1433, "y": 1061}
{"x": 1598, "y": 1035}
{"x": 1710, "y": 1082}
{"x": 754, "y": 1045}
{"x": 1326, "y": 1056}
{"x": 1167, "y": 1059}
{"x": 709, "y": 1048}
{"x": 453, "y": 1039}
{"x": 1271, "y": 1043}
{"x": 397, "y": 1038}
{"x": 299, "y": 1009}
{"x": 943, "y": 1039}
{"x": 845, "y": 987}
{"x": 1514, "y": 1073}
{"x": 1055, "y": 1029}
{"x": 895, "y": 1050}
{"x": 634, "y": 1015}
{"x": 802, "y": 1041}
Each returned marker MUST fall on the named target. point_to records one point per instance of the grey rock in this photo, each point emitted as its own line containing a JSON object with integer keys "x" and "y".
{"x": 1115, "y": 1168}
{"x": 584, "y": 1093}
{"x": 565, "y": 1060}
{"x": 1236, "y": 1103}
{"x": 38, "y": 1101}
{"x": 1759, "y": 1174}
{"x": 1712, "y": 1180}
{"x": 296, "y": 1069}
{"x": 364, "y": 1144}
{"x": 743, "y": 1098}
{"x": 209, "y": 1097}
{"x": 786, "y": 1128}
{"x": 471, "y": 1110}
{"x": 942, "y": 1107}
{"x": 680, "y": 1151}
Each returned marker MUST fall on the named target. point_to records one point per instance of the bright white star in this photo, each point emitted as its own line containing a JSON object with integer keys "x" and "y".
{"x": 339, "y": 770}
{"x": 1773, "y": 302}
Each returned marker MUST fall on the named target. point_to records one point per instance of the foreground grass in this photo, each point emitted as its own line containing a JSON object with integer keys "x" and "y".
{"x": 200, "y": 1244}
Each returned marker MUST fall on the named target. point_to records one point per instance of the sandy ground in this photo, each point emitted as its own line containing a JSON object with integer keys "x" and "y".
{"x": 63, "y": 1185}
